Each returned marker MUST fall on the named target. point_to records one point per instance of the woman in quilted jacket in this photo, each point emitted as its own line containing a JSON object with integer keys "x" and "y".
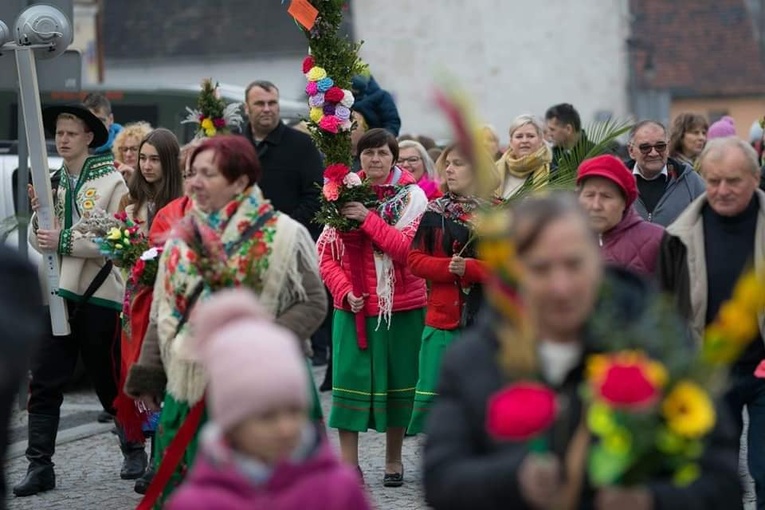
{"x": 444, "y": 254}
{"x": 375, "y": 357}
{"x": 607, "y": 191}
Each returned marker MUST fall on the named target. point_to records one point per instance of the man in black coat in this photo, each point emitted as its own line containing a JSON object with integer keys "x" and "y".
{"x": 293, "y": 171}
{"x": 21, "y": 327}
{"x": 292, "y": 166}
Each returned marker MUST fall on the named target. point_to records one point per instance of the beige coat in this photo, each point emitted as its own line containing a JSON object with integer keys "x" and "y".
{"x": 100, "y": 186}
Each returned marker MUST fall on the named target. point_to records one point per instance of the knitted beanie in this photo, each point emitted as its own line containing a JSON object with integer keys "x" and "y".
{"x": 722, "y": 128}
{"x": 611, "y": 168}
{"x": 253, "y": 365}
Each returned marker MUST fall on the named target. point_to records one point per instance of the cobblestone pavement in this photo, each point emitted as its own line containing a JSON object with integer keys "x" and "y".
{"x": 87, "y": 470}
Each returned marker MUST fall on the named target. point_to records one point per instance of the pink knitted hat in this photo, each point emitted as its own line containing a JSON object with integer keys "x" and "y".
{"x": 253, "y": 365}
{"x": 722, "y": 128}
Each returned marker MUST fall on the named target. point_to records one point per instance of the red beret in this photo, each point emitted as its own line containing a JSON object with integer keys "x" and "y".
{"x": 611, "y": 168}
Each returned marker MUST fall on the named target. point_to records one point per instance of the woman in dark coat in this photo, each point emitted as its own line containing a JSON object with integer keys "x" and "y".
{"x": 575, "y": 304}
{"x": 607, "y": 191}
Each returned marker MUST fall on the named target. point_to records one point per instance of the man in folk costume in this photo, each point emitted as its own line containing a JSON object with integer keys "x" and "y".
{"x": 91, "y": 288}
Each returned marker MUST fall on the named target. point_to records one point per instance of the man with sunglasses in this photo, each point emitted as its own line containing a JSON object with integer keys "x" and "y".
{"x": 665, "y": 186}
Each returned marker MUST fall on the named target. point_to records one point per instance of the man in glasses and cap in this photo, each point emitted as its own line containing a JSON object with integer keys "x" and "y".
{"x": 665, "y": 186}
{"x": 91, "y": 287}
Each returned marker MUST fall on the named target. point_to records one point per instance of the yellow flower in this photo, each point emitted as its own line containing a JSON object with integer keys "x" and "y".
{"x": 88, "y": 204}
{"x": 686, "y": 475}
{"x": 316, "y": 74}
{"x": 210, "y": 132}
{"x": 207, "y": 123}
{"x": 316, "y": 114}
{"x": 688, "y": 410}
{"x": 90, "y": 192}
{"x": 750, "y": 292}
{"x": 618, "y": 441}
{"x": 736, "y": 322}
{"x": 600, "y": 419}
{"x": 114, "y": 234}
{"x": 497, "y": 252}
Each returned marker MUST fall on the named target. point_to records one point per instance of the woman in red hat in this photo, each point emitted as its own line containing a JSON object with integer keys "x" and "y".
{"x": 607, "y": 191}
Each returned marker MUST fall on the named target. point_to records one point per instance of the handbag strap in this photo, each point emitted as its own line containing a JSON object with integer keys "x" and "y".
{"x": 99, "y": 280}
{"x": 173, "y": 455}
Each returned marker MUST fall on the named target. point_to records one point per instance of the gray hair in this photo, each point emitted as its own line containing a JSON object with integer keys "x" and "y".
{"x": 643, "y": 123}
{"x": 525, "y": 120}
{"x": 430, "y": 167}
{"x": 718, "y": 147}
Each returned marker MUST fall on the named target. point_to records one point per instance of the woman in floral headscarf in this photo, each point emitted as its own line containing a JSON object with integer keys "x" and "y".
{"x": 526, "y": 164}
{"x": 232, "y": 237}
{"x": 375, "y": 367}
{"x": 444, "y": 254}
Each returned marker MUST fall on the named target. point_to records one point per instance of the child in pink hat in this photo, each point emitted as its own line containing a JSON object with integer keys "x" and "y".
{"x": 260, "y": 450}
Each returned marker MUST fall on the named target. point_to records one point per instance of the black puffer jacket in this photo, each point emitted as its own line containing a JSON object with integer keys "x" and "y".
{"x": 466, "y": 469}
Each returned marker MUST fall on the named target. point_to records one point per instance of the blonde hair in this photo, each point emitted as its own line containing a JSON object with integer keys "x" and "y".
{"x": 525, "y": 120}
{"x": 137, "y": 130}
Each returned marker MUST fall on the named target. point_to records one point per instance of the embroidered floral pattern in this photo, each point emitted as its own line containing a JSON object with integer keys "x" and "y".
{"x": 246, "y": 266}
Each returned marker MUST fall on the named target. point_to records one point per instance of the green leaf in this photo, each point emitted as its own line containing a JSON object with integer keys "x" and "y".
{"x": 606, "y": 468}
{"x": 601, "y": 138}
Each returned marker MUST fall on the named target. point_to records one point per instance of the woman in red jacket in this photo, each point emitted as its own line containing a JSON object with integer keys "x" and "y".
{"x": 375, "y": 362}
{"x": 443, "y": 253}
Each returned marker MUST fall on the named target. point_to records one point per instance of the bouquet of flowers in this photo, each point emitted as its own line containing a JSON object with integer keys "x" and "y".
{"x": 123, "y": 243}
{"x": 144, "y": 271}
{"x": 212, "y": 114}
{"x": 211, "y": 260}
{"x": 340, "y": 187}
{"x": 651, "y": 418}
{"x": 330, "y": 106}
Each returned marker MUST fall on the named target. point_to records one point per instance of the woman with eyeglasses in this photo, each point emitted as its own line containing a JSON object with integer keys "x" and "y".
{"x": 526, "y": 163}
{"x": 414, "y": 158}
{"x": 231, "y": 237}
{"x": 666, "y": 186}
{"x": 125, "y": 147}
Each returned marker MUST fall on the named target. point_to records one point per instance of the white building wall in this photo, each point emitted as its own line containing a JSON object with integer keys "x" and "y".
{"x": 514, "y": 56}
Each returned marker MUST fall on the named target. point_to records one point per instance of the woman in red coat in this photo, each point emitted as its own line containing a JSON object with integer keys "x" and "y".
{"x": 375, "y": 360}
{"x": 607, "y": 190}
{"x": 443, "y": 253}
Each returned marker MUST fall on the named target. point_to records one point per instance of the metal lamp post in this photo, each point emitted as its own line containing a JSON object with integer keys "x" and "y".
{"x": 40, "y": 32}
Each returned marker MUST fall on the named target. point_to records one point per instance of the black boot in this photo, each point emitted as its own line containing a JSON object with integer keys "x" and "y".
{"x": 326, "y": 384}
{"x": 42, "y": 444}
{"x": 134, "y": 462}
{"x": 142, "y": 484}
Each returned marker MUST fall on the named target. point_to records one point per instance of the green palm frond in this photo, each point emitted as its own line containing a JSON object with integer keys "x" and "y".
{"x": 600, "y": 138}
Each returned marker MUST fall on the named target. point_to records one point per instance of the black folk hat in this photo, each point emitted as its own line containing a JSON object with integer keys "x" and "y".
{"x": 100, "y": 134}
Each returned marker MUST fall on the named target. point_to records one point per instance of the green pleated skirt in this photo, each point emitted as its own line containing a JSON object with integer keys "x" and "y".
{"x": 174, "y": 413}
{"x": 374, "y": 388}
{"x": 434, "y": 344}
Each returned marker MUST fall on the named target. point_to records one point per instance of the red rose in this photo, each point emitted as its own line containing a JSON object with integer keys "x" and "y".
{"x": 520, "y": 412}
{"x": 336, "y": 173}
{"x": 219, "y": 123}
{"x": 121, "y": 216}
{"x": 138, "y": 269}
{"x": 627, "y": 386}
{"x": 334, "y": 95}
{"x": 307, "y": 64}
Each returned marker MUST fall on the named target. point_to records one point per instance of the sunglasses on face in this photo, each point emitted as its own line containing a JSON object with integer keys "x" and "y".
{"x": 646, "y": 148}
